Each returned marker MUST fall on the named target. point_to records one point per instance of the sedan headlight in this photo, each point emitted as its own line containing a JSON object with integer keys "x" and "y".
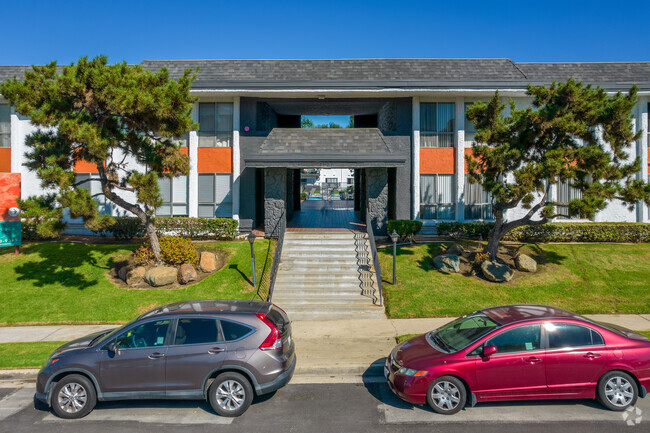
{"x": 410, "y": 372}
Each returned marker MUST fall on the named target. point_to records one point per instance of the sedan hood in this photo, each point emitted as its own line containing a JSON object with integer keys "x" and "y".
{"x": 416, "y": 353}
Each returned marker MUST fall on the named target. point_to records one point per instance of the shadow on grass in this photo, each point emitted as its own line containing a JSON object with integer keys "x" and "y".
{"x": 541, "y": 256}
{"x": 60, "y": 263}
{"x": 433, "y": 250}
{"x": 244, "y": 276}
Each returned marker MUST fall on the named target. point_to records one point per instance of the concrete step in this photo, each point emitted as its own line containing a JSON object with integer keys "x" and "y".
{"x": 319, "y": 235}
{"x": 322, "y": 261}
{"x": 335, "y": 315}
{"x": 352, "y": 278}
{"x": 318, "y": 286}
{"x": 314, "y": 242}
{"x": 335, "y": 249}
{"x": 304, "y": 300}
{"x": 316, "y": 268}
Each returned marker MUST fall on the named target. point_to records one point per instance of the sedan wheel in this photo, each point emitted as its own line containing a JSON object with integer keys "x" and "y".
{"x": 447, "y": 395}
{"x": 617, "y": 391}
{"x": 73, "y": 397}
{"x": 230, "y": 394}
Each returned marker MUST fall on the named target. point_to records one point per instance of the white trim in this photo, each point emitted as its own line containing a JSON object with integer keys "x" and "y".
{"x": 236, "y": 162}
{"x": 642, "y": 152}
{"x": 17, "y": 144}
{"x": 415, "y": 150}
{"x": 459, "y": 147}
{"x": 193, "y": 178}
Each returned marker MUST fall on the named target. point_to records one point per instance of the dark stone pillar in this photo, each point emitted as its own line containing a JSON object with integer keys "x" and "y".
{"x": 377, "y": 193}
{"x": 275, "y": 193}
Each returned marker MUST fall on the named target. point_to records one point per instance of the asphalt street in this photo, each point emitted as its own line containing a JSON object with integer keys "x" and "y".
{"x": 321, "y": 408}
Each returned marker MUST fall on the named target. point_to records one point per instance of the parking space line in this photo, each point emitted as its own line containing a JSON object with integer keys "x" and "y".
{"x": 16, "y": 401}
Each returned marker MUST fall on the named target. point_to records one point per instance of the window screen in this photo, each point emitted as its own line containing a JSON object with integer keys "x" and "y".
{"x": 197, "y": 331}
{"x": 234, "y": 331}
{"x": 437, "y": 194}
{"x": 5, "y": 125}
{"x": 437, "y": 125}
{"x": 215, "y": 195}
{"x": 174, "y": 193}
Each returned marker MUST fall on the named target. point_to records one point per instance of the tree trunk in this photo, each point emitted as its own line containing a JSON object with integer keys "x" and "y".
{"x": 153, "y": 238}
{"x": 495, "y": 235}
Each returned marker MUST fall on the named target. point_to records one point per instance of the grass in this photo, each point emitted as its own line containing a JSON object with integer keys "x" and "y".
{"x": 401, "y": 338}
{"x": 644, "y": 333}
{"x": 68, "y": 283}
{"x": 584, "y": 278}
{"x": 26, "y": 355}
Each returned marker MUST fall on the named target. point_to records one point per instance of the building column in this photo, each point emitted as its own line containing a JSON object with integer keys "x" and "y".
{"x": 17, "y": 143}
{"x": 642, "y": 152}
{"x": 275, "y": 200}
{"x": 236, "y": 160}
{"x": 415, "y": 159}
{"x": 193, "y": 178}
{"x": 377, "y": 185}
{"x": 459, "y": 160}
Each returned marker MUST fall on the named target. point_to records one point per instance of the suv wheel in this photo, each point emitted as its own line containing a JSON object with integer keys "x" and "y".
{"x": 230, "y": 394}
{"x": 73, "y": 397}
{"x": 446, "y": 395}
{"x": 617, "y": 391}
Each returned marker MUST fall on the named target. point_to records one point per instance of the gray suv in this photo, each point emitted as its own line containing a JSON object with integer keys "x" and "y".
{"x": 221, "y": 350}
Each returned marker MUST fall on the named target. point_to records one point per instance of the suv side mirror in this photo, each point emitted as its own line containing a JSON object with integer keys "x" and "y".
{"x": 112, "y": 347}
{"x": 489, "y": 350}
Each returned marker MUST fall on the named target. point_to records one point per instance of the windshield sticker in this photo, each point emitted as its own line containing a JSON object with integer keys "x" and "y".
{"x": 529, "y": 346}
{"x": 160, "y": 341}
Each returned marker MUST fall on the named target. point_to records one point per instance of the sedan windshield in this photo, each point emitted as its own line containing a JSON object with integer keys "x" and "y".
{"x": 461, "y": 332}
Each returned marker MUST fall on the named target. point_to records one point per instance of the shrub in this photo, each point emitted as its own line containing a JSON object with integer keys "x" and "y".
{"x": 404, "y": 228}
{"x": 143, "y": 255}
{"x": 127, "y": 228}
{"x": 197, "y": 228}
{"x": 173, "y": 250}
{"x": 303, "y": 196}
{"x": 472, "y": 229}
{"x": 479, "y": 258}
{"x": 40, "y": 218}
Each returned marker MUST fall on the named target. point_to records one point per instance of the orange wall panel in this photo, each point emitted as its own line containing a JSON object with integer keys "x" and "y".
{"x": 437, "y": 160}
{"x": 5, "y": 160}
{"x": 82, "y": 166}
{"x": 214, "y": 160}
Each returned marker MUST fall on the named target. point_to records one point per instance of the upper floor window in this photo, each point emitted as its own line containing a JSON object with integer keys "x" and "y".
{"x": 478, "y": 203}
{"x": 565, "y": 193}
{"x": 437, "y": 196}
{"x": 470, "y": 128}
{"x": 174, "y": 193}
{"x": 5, "y": 125}
{"x": 437, "y": 124}
{"x": 215, "y": 124}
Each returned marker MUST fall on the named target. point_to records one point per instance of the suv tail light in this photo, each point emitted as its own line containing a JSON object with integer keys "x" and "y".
{"x": 274, "y": 340}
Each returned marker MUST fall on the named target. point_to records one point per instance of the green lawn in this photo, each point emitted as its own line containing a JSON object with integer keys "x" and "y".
{"x": 68, "y": 283}
{"x": 584, "y": 278}
{"x": 26, "y": 355}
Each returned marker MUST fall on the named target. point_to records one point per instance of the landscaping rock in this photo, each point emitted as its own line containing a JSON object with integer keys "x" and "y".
{"x": 456, "y": 249}
{"x": 186, "y": 273}
{"x": 121, "y": 273}
{"x": 135, "y": 276}
{"x": 208, "y": 261}
{"x": 497, "y": 272}
{"x": 161, "y": 276}
{"x": 526, "y": 263}
{"x": 447, "y": 263}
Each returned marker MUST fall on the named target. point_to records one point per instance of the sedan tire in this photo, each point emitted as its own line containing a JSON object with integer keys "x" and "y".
{"x": 447, "y": 395}
{"x": 230, "y": 394}
{"x": 73, "y": 397}
{"x": 617, "y": 391}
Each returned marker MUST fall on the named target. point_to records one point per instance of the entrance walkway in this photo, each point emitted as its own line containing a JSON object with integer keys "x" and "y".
{"x": 331, "y": 214}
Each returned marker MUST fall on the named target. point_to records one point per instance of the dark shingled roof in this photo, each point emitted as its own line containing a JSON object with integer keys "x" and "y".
{"x": 8, "y": 72}
{"x": 625, "y": 73}
{"x": 304, "y": 147}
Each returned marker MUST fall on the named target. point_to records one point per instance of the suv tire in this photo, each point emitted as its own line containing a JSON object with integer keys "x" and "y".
{"x": 73, "y": 397}
{"x": 230, "y": 394}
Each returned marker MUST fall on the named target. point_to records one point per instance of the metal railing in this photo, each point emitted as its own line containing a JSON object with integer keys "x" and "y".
{"x": 375, "y": 256}
{"x": 281, "y": 229}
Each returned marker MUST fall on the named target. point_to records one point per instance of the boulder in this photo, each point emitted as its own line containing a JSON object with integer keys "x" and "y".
{"x": 208, "y": 261}
{"x": 186, "y": 273}
{"x": 121, "y": 272}
{"x": 497, "y": 272}
{"x": 161, "y": 276}
{"x": 135, "y": 276}
{"x": 456, "y": 249}
{"x": 447, "y": 263}
{"x": 526, "y": 263}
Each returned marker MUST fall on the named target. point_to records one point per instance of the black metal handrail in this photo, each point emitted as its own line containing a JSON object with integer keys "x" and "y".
{"x": 281, "y": 229}
{"x": 375, "y": 256}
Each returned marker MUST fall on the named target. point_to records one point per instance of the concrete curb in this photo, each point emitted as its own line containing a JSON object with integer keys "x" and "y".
{"x": 22, "y": 374}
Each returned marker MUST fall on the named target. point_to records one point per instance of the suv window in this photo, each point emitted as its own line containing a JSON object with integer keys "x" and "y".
{"x": 519, "y": 339}
{"x": 567, "y": 335}
{"x": 234, "y": 331}
{"x": 196, "y": 331}
{"x": 150, "y": 334}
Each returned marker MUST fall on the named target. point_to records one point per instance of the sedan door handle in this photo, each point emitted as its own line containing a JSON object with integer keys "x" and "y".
{"x": 591, "y": 355}
{"x": 533, "y": 360}
{"x": 156, "y": 355}
{"x": 216, "y": 350}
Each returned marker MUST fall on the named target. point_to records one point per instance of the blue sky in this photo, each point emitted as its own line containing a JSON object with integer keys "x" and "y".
{"x": 37, "y": 31}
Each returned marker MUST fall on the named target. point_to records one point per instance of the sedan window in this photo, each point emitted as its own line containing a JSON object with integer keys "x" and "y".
{"x": 196, "y": 331}
{"x": 568, "y": 335}
{"x": 520, "y": 339}
{"x": 148, "y": 334}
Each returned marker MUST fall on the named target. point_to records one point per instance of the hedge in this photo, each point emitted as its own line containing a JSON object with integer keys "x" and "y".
{"x": 556, "y": 232}
{"x": 404, "y": 228}
{"x": 193, "y": 228}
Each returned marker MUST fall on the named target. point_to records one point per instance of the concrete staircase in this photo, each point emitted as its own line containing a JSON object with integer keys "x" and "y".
{"x": 327, "y": 276}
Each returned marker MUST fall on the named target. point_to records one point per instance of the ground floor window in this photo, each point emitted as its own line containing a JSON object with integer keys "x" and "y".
{"x": 565, "y": 193}
{"x": 437, "y": 196}
{"x": 174, "y": 192}
{"x": 215, "y": 195}
{"x": 478, "y": 204}
{"x": 90, "y": 182}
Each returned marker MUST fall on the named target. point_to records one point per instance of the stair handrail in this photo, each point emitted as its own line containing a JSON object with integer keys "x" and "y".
{"x": 281, "y": 229}
{"x": 375, "y": 256}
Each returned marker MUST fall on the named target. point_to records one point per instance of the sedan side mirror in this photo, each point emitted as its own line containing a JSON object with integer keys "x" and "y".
{"x": 489, "y": 350}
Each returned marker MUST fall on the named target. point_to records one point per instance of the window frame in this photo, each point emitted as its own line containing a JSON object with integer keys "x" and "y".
{"x": 215, "y": 132}
{"x": 135, "y": 325}
{"x": 251, "y": 331}
{"x": 435, "y": 143}
{"x": 542, "y": 339}
{"x": 214, "y": 203}
{"x": 435, "y": 194}
{"x": 171, "y": 203}
{"x": 220, "y": 337}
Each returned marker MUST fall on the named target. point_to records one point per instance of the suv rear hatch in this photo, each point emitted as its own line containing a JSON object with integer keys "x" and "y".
{"x": 281, "y": 321}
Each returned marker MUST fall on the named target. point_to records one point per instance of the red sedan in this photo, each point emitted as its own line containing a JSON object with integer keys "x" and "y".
{"x": 520, "y": 352}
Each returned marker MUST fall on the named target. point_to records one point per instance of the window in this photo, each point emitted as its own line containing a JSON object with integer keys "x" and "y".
{"x": 565, "y": 193}
{"x": 519, "y": 339}
{"x": 437, "y": 196}
{"x": 331, "y": 180}
{"x": 94, "y": 187}
{"x": 150, "y": 334}
{"x": 196, "y": 331}
{"x": 478, "y": 205}
{"x": 174, "y": 196}
{"x": 350, "y": 181}
{"x": 470, "y": 128}
{"x": 437, "y": 125}
{"x": 215, "y": 124}
{"x": 5, "y": 125}
{"x": 566, "y": 335}
{"x": 234, "y": 331}
{"x": 215, "y": 195}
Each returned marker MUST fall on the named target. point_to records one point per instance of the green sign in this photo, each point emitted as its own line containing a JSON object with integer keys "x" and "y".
{"x": 9, "y": 233}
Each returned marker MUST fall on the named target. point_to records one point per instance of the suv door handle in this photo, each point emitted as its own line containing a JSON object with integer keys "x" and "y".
{"x": 591, "y": 355}
{"x": 156, "y": 355}
{"x": 533, "y": 360}
{"x": 216, "y": 350}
